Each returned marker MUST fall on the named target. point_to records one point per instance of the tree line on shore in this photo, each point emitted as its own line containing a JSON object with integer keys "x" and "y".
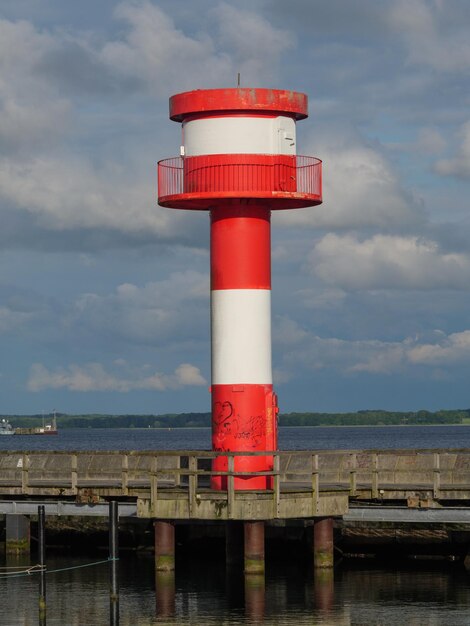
{"x": 186, "y": 420}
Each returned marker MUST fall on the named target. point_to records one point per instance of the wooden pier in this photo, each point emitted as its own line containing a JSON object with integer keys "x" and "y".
{"x": 174, "y": 486}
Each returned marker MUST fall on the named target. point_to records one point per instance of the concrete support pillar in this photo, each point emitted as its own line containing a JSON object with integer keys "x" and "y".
{"x": 233, "y": 543}
{"x": 254, "y": 547}
{"x": 165, "y": 592}
{"x": 17, "y": 535}
{"x": 164, "y": 546}
{"x": 323, "y": 546}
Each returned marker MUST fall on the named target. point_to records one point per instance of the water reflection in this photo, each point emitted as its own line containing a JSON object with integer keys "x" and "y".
{"x": 324, "y": 590}
{"x": 204, "y": 592}
{"x": 165, "y": 595}
{"x": 255, "y": 598}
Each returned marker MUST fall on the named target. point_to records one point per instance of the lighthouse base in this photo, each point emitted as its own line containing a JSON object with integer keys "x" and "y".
{"x": 244, "y": 419}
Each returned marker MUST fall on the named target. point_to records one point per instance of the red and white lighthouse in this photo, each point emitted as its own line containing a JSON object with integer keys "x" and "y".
{"x": 238, "y": 161}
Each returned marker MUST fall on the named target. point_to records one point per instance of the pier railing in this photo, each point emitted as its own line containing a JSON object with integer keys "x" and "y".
{"x": 376, "y": 472}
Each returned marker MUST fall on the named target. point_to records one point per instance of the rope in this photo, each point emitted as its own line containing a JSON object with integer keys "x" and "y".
{"x": 36, "y": 569}
{"x": 66, "y": 569}
{"x": 33, "y": 569}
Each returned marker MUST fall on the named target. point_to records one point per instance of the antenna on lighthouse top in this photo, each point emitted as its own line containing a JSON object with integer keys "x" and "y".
{"x": 238, "y": 80}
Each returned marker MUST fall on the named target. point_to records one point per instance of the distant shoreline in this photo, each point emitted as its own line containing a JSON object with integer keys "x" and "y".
{"x": 457, "y": 417}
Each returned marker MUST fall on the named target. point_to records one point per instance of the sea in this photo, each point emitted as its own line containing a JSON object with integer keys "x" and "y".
{"x": 204, "y": 592}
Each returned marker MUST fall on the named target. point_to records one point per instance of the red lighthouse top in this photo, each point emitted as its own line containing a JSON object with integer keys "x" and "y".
{"x": 280, "y": 101}
{"x": 239, "y": 144}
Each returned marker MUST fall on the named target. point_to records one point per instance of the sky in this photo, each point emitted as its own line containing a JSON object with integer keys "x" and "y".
{"x": 104, "y": 296}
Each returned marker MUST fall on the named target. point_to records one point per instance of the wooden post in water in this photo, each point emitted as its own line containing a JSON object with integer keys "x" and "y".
{"x": 42, "y": 561}
{"x": 113, "y": 560}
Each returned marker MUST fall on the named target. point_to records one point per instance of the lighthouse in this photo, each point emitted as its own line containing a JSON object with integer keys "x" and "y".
{"x": 238, "y": 160}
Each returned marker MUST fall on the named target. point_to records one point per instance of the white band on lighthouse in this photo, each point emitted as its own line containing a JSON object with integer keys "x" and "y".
{"x": 239, "y": 135}
{"x": 241, "y": 336}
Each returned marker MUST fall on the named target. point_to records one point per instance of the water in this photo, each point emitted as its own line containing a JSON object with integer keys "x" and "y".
{"x": 290, "y": 438}
{"x": 204, "y": 593}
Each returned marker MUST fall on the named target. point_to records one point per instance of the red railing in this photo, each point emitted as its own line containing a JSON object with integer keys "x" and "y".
{"x": 232, "y": 174}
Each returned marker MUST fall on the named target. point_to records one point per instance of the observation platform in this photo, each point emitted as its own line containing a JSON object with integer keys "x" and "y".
{"x": 285, "y": 181}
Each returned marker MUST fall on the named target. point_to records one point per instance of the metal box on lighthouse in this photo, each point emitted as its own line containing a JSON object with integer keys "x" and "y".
{"x": 238, "y": 161}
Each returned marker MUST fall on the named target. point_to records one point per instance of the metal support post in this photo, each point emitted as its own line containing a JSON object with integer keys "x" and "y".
{"x": 254, "y": 547}
{"x": 42, "y": 560}
{"x": 323, "y": 546}
{"x": 113, "y": 561}
{"x": 164, "y": 546}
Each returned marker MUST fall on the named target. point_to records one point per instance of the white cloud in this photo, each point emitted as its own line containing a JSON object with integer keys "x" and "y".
{"x": 459, "y": 165}
{"x": 287, "y": 332}
{"x": 71, "y": 194}
{"x": 167, "y": 59}
{"x": 253, "y": 44}
{"x": 422, "y": 25}
{"x": 161, "y": 54}
{"x": 31, "y": 112}
{"x": 374, "y": 356}
{"x": 360, "y": 189}
{"x": 451, "y": 350}
{"x": 388, "y": 262}
{"x": 175, "y": 309}
{"x": 94, "y": 377}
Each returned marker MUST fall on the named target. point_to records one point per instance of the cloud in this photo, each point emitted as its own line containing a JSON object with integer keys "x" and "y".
{"x": 360, "y": 189}
{"x": 11, "y": 320}
{"x": 159, "y": 53}
{"x": 252, "y": 43}
{"x": 173, "y": 310}
{"x": 94, "y": 377}
{"x": 71, "y": 194}
{"x": 351, "y": 357}
{"x": 459, "y": 165}
{"x": 167, "y": 59}
{"x": 388, "y": 262}
{"x": 451, "y": 350}
{"x": 64, "y": 171}
{"x": 31, "y": 113}
{"x": 435, "y": 35}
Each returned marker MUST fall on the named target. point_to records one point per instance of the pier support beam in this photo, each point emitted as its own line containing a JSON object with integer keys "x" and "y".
{"x": 323, "y": 546}
{"x": 254, "y": 547}
{"x": 17, "y": 536}
{"x": 164, "y": 546}
{"x": 233, "y": 543}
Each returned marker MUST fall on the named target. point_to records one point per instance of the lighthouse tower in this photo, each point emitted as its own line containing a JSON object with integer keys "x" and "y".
{"x": 238, "y": 161}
